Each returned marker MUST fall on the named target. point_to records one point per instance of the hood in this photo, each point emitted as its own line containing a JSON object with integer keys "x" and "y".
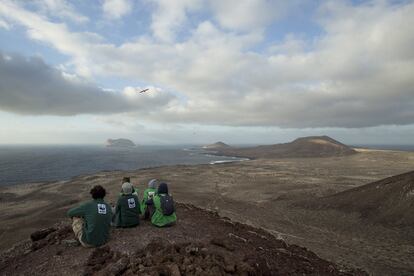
{"x": 127, "y": 188}
{"x": 163, "y": 188}
{"x": 152, "y": 184}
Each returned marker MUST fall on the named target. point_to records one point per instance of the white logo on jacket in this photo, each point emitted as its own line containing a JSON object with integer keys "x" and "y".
{"x": 131, "y": 203}
{"x": 101, "y": 209}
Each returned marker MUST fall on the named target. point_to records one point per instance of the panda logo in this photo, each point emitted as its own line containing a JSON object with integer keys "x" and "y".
{"x": 131, "y": 203}
{"x": 101, "y": 209}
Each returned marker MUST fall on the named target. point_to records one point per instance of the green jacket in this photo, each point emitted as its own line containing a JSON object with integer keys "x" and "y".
{"x": 97, "y": 215}
{"x": 127, "y": 211}
{"x": 146, "y": 197}
{"x": 158, "y": 218}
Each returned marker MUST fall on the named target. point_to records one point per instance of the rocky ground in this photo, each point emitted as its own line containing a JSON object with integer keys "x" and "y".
{"x": 264, "y": 193}
{"x": 388, "y": 201}
{"x": 201, "y": 243}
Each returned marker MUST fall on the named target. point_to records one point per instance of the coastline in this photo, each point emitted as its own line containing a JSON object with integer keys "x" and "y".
{"x": 20, "y": 166}
{"x": 256, "y": 192}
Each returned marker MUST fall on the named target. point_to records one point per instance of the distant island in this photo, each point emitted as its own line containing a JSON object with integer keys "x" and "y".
{"x": 217, "y": 145}
{"x": 121, "y": 143}
{"x": 312, "y": 146}
{"x": 322, "y": 201}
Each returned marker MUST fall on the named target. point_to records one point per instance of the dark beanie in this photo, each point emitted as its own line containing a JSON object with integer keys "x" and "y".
{"x": 163, "y": 188}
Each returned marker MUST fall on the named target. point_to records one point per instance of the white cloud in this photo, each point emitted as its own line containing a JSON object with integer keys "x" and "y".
{"x": 170, "y": 16}
{"x": 4, "y": 25}
{"x": 57, "y": 35}
{"x": 29, "y": 86}
{"x": 117, "y": 8}
{"x": 291, "y": 45}
{"x": 247, "y": 15}
{"x": 359, "y": 73}
{"x": 61, "y": 8}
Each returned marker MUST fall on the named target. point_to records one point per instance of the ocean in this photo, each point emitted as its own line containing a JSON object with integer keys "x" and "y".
{"x": 388, "y": 147}
{"x": 26, "y": 164}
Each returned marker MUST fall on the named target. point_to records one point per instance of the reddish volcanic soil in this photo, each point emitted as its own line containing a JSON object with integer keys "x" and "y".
{"x": 201, "y": 243}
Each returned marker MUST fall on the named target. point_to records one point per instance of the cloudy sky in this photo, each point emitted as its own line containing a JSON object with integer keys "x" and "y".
{"x": 241, "y": 71}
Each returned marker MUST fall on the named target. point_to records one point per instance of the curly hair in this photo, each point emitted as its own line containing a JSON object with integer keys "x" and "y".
{"x": 98, "y": 192}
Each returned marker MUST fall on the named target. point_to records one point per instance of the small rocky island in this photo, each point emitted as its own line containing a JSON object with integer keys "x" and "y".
{"x": 120, "y": 143}
{"x": 217, "y": 145}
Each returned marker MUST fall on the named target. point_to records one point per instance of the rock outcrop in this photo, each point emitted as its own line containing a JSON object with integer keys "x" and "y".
{"x": 217, "y": 145}
{"x": 121, "y": 143}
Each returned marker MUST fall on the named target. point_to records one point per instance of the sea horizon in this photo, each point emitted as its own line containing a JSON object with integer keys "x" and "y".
{"x": 189, "y": 145}
{"x": 20, "y": 164}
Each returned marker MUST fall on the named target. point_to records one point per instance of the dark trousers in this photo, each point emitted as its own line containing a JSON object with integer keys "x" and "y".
{"x": 149, "y": 211}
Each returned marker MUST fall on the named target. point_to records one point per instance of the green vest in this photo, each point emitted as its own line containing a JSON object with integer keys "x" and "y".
{"x": 158, "y": 218}
{"x": 127, "y": 211}
{"x": 97, "y": 215}
{"x": 147, "y": 192}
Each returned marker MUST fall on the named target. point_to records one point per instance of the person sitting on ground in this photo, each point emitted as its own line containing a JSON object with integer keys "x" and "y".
{"x": 164, "y": 209}
{"x": 91, "y": 221}
{"x": 127, "y": 209}
{"x": 128, "y": 180}
{"x": 149, "y": 193}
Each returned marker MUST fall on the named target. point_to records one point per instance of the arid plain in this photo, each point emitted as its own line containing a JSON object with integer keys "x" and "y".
{"x": 267, "y": 193}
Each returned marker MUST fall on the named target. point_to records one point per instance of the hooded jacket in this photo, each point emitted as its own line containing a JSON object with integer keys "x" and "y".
{"x": 127, "y": 211}
{"x": 148, "y": 194}
{"x": 158, "y": 218}
{"x": 134, "y": 190}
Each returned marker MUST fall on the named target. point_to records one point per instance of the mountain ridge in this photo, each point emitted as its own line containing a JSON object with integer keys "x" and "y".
{"x": 311, "y": 146}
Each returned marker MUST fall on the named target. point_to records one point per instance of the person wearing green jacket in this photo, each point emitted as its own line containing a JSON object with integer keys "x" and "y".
{"x": 91, "y": 221}
{"x": 127, "y": 209}
{"x": 127, "y": 179}
{"x": 164, "y": 214}
{"x": 149, "y": 193}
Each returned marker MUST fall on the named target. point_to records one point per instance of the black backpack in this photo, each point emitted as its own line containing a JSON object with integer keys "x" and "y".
{"x": 167, "y": 205}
